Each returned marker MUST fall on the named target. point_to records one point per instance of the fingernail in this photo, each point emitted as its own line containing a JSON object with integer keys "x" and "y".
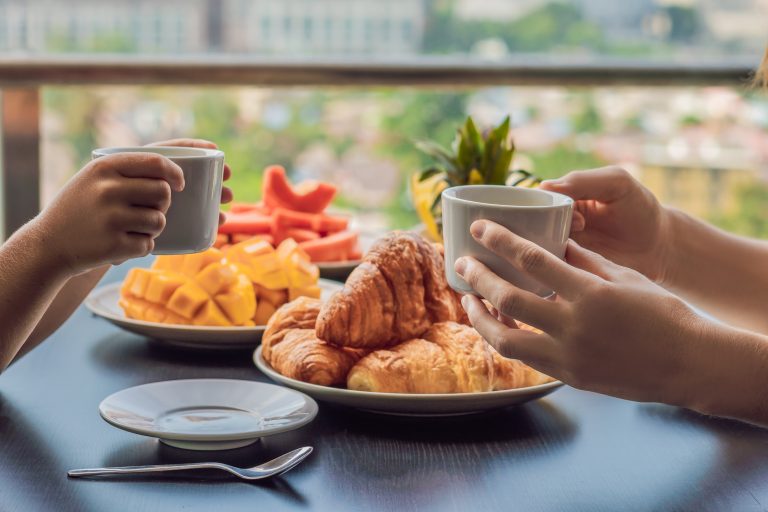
{"x": 477, "y": 228}
{"x": 465, "y": 302}
{"x": 460, "y": 266}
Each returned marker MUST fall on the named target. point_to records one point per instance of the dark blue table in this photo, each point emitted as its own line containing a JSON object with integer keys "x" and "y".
{"x": 571, "y": 451}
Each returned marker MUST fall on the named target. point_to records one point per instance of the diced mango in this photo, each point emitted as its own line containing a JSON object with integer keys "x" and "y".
{"x": 275, "y": 280}
{"x": 313, "y": 291}
{"x": 264, "y": 311}
{"x": 137, "y": 281}
{"x": 210, "y": 314}
{"x": 235, "y": 308}
{"x": 187, "y": 300}
{"x": 275, "y": 297}
{"x": 162, "y": 285}
{"x": 216, "y": 277}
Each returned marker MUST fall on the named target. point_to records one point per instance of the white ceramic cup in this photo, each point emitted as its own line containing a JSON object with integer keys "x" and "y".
{"x": 192, "y": 219}
{"x": 536, "y": 215}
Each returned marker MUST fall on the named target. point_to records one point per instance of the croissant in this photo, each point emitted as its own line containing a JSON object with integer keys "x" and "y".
{"x": 301, "y": 356}
{"x": 397, "y": 292}
{"x": 300, "y": 313}
{"x": 449, "y": 358}
{"x": 290, "y": 346}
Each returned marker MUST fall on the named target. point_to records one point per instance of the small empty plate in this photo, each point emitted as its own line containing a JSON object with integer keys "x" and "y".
{"x": 208, "y": 414}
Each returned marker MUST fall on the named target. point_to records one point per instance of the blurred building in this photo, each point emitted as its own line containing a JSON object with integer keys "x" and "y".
{"x": 282, "y": 27}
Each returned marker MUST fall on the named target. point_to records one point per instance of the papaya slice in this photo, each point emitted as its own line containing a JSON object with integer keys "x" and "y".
{"x": 308, "y": 196}
{"x": 335, "y": 247}
{"x": 250, "y": 223}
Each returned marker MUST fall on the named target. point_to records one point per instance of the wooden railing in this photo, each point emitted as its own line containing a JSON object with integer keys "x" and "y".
{"x": 22, "y": 77}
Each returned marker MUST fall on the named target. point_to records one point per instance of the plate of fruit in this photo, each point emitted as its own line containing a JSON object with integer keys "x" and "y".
{"x": 218, "y": 299}
{"x": 300, "y": 213}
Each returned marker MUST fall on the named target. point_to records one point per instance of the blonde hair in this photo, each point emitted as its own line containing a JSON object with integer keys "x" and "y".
{"x": 761, "y": 75}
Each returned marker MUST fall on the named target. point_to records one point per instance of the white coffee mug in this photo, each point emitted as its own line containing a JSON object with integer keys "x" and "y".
{"x": 192, "y": 219}
{"x": 536, "y": 215}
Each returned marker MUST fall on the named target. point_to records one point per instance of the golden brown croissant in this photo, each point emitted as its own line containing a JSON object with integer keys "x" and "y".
{"x": 290, "y": 346}
{"x": 452, "y": 358}
{"x": 397, "y": 292}
{"x": 300, "y": 313}
{"x": 300, "y": 355}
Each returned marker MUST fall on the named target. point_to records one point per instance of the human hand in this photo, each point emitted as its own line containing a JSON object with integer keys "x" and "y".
{"x": 226, "y": 192}
{"x": 617, "y": 217}
{"x": 110, "y": 211}
{"x": 609, "y": 330}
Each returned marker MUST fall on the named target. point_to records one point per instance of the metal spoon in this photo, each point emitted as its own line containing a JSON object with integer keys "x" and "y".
{"x": 274, "y": 467}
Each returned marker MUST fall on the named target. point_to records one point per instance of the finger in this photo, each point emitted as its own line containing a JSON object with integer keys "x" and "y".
{"x": 145, "y": 192}
{"x": 146, "y": 165}
{"x": 144, "y": 221}
{"x": 132, "y": 245}
{"x": 227, "y": 172}
{"x": 606, "y": 184}
{"x": 226, "y": 195}
{"x": 578, "y": 223}
{"x": 512, "y": 343}
{"x": 508, "y": 299}
{"x": 531, "y": 259}
{"x": 501, "y": 317}
{"x": 222, "y": 218}
{"x": 186, "y": 143}
{"x": 594, "y": 263}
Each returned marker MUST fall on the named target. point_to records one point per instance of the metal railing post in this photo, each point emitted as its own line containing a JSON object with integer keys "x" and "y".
{"x": 20, "y": 130}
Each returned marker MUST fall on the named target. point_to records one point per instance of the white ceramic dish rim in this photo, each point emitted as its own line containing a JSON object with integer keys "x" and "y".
{"x": 97, "y": 310}
{"x": 262, "y": 365}
{"x": 251, "y": 434}
{"x": 564, "y": 200}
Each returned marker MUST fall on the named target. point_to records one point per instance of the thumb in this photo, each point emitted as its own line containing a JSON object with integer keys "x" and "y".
{"x": 606, "y": 184}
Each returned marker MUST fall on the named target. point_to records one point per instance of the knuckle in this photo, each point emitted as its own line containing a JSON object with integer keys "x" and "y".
{"x": 530, "y": 257}
{"x": 621, "y": 173}
{"x": 158, "y": 222}
{"x": 509, "y": 303}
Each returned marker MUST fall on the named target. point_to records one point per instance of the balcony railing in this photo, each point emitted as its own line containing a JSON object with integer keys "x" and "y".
{"x": 22, "y": 77}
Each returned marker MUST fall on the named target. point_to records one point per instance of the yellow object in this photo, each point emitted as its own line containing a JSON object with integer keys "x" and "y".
{"x": 275, "y": 270}
{"x": 197, "y": 289}
{"x": 423, "y": 194}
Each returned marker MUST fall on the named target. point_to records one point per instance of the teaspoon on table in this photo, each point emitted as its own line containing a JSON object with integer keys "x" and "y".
{"x": 274, "y": 467}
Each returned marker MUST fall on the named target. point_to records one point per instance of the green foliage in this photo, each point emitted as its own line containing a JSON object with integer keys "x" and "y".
{"x": 588, "y": 120}
{"x": 562, "y": 159}
{"x": 751, "y": 216}
{"x": 473, "y": 157}
{"x": 554, "y": 25}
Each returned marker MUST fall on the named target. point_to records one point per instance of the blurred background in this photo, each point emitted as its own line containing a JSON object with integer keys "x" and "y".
{"x": 701, "y": 148}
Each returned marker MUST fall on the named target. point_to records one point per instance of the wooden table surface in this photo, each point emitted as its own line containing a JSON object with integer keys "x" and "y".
{"x": 570, "y": 451}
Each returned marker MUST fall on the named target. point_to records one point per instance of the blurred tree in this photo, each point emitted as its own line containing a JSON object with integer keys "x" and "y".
{"x": 751, "y": 216}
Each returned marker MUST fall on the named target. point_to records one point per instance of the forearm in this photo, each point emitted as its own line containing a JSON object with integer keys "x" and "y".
{"x": 727, "y": 374}
{"x": 69, "y": 297}
{"x": 30, "y": 278}
{"x": 724, "y": 274}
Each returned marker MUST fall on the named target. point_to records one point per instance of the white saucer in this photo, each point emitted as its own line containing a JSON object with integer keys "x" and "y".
{"x": 404, "y": 404}
{"x": 208, "y": 414}
{"x": 103, "y": 302}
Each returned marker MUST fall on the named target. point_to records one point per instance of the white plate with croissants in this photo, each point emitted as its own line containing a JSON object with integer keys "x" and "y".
{"x": 394, "y": 340}
{"x": 104, "y": 302}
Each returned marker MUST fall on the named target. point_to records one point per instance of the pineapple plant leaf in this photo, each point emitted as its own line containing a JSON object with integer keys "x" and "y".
{"x": 475, "y": 158}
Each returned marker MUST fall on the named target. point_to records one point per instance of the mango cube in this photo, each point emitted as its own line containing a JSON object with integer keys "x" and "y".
{"x": 194, "y": 288}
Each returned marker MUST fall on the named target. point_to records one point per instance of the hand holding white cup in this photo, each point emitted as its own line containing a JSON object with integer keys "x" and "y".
{"x": 542, "y": 217}
{"x": 193, "y": 217}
